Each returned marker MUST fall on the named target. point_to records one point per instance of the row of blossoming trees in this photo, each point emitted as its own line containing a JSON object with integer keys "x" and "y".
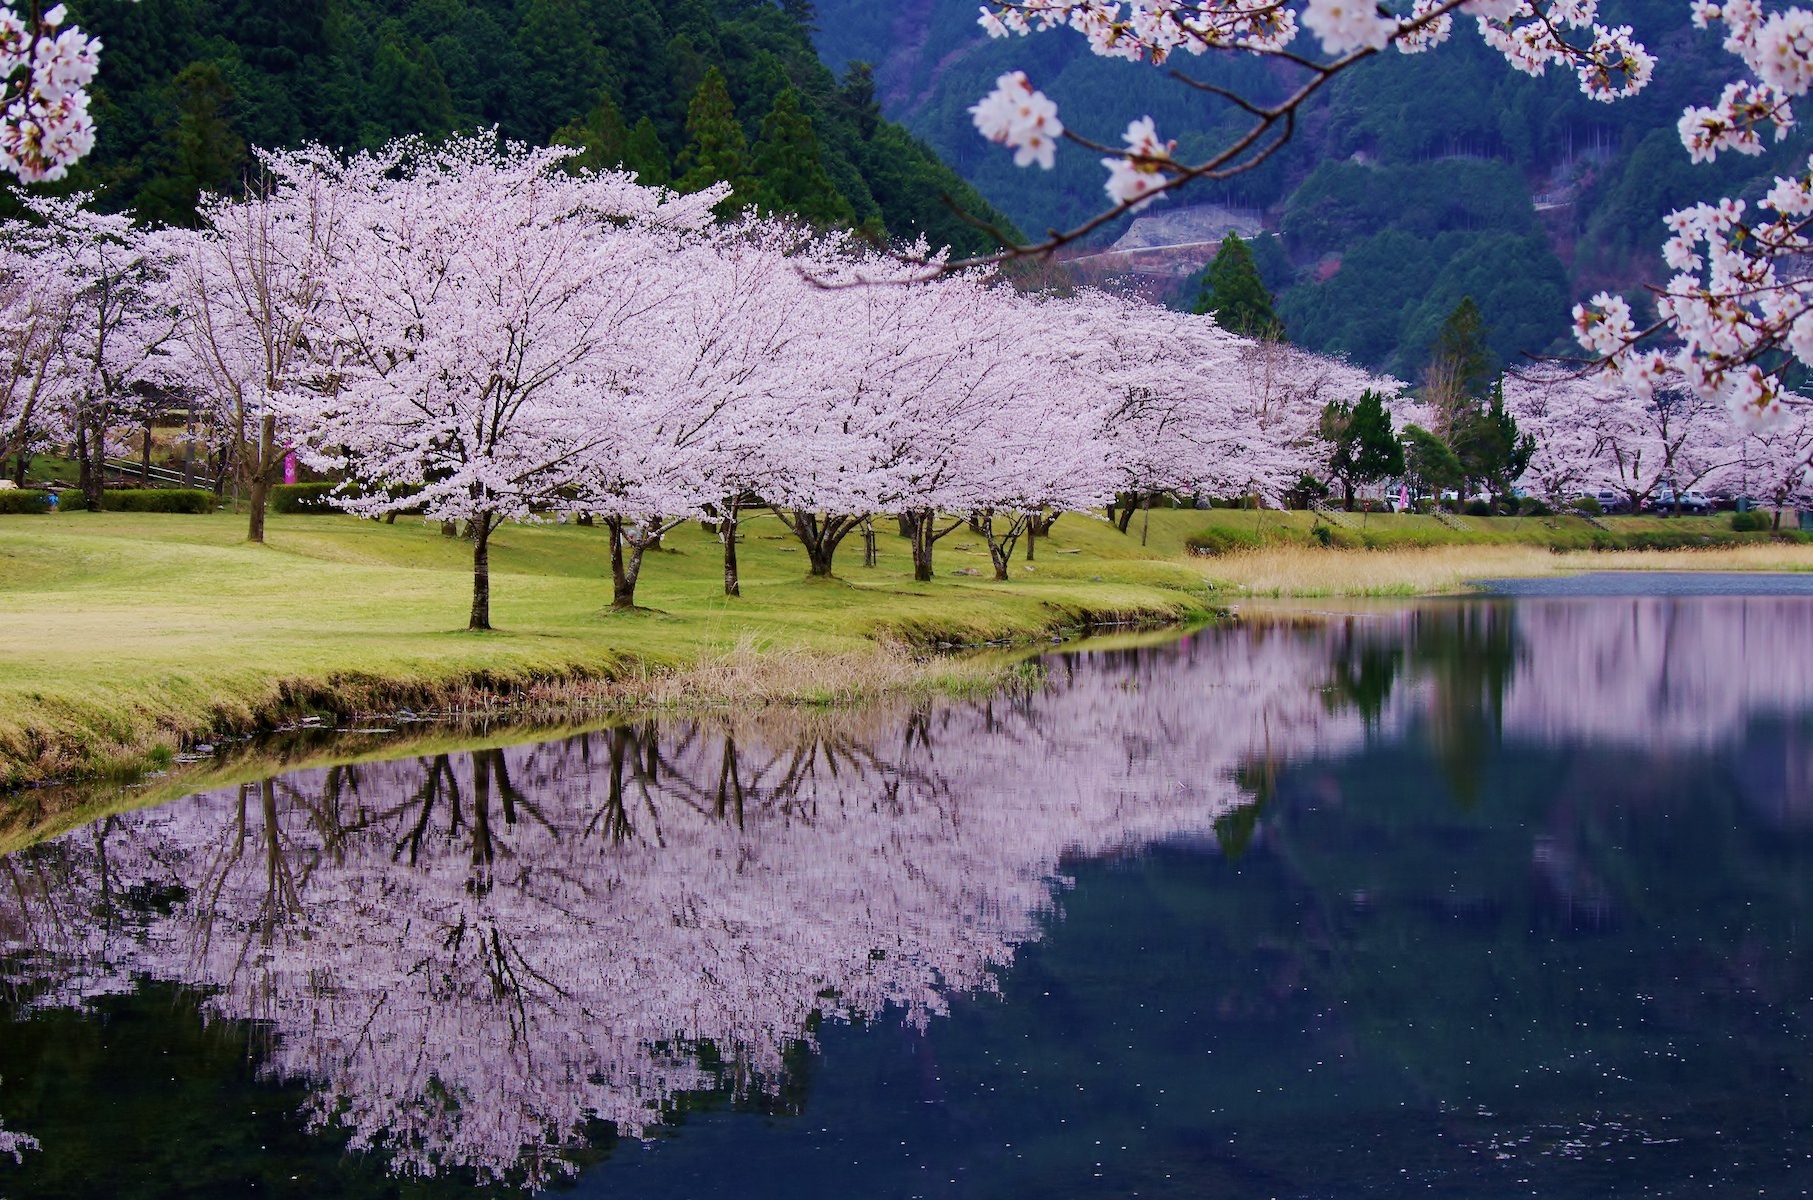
{"x": 482, "y": 336}
{"x": 1594, "y": 432}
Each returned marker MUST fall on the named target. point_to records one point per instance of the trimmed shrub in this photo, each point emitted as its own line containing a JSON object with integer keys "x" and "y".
{"x": 1530, "y": 506}
{"x": 192, "y": 501}
{"x": 308, "y": 499}
{"x": 1754, "y": 521}
{"x": 1590, "y": 506}
{"x": 18, "y": 500}
{"x": 1479, "y": 508}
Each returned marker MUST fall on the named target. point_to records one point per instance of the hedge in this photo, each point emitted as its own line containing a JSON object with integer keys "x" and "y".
{"x": 18, "y": 500}
{"x": 193, "y": 501}
{"x": 305, "y": 498}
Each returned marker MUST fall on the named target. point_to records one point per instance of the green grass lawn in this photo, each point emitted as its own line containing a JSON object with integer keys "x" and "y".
{"x": 123, "y": 632}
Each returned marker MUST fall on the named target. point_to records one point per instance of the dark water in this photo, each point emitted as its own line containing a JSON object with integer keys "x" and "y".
{"x": 1472, "y": 899}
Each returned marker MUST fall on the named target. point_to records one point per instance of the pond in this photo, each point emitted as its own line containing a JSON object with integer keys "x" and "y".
{"x": 1467, "y": 898}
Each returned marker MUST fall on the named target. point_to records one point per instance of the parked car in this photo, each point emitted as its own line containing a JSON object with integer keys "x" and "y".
{"x": 1611, "y": 502}
{"x": 1692, "y": 503}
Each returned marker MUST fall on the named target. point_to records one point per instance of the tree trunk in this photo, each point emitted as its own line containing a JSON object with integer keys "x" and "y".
{"x": 727, "y": 531}
{"x": 1127, "y": 506}
{"x": 1145, "y": 521}
{"x": 144, "y": 462}
{"x": 869, "y": 556}
{"x": 1001, "y": 549}
{"x": 820, "y": 534}
{"x": 260, "y": 480}
{"x": 1032, "y": 536}
{"x": 623, "y": 584}
{"x": 923, "y": 538}
{"x": 85, "y": 479}
{"x": 21, "y": 464}
{"x": 1347, "y": 495}
{"x": 189, "y": 448}
{"x": 481, "y": 574}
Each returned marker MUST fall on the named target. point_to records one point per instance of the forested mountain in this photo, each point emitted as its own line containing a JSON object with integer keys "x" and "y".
{"x": 186, "y": 86}
{"x": 1412, "y": 182}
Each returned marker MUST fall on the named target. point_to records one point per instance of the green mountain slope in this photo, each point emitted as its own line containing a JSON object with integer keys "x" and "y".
{"x": 1413, "y": 181}
{"x": 187, "y": 85}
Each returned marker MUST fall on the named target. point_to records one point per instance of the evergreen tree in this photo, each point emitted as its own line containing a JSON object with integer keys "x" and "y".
{"x": 1429, "y": 465}
{"x": 789, "y": 173}
{"x": 1490, "y": 447}
{"x": 1234, "y": 295}
{"x": 1362, "y": 447}
{"x": 206, "y": 151}
{"x": 1461, "y": 368}
{"x": 408, "y": 91}
{"x": 601, "y": 139}
{"x": 646, "y": 156}
{"x": 716, "y": 151}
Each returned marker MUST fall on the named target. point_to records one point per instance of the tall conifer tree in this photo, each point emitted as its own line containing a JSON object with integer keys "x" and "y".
{"x": 789, "y": 172}
{"x": 1234, "y": 295}
{"x": 716, "y": 150}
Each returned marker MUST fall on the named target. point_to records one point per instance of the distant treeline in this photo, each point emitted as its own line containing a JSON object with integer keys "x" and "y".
{"x": 187, "y": 87}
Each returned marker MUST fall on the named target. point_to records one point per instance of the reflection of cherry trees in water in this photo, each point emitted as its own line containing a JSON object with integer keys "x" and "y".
{"x": 471, "y": 956}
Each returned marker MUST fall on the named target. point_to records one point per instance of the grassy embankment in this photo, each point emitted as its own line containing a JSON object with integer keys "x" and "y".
{"x": 124, "y": 637}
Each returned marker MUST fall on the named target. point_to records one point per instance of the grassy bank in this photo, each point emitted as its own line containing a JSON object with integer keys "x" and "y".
{"x": 125, "y": 638}
{"x": 131, "y": 635}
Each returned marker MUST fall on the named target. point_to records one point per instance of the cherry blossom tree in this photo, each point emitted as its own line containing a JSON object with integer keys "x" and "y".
{"x": 487, "y": 315}
{"x": 250, "y": 288}
{"x": 1564, "y": 412}
{"x": 35, "y": 311}
{"x": 111, "y": 275}
{"x": 1772, "y": 461}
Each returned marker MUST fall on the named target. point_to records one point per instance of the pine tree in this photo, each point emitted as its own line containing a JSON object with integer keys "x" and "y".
{"x": 1363, "y": 449}
{"x": 789, "y": 172}
{"x": 1234, "y": 295}
{"x": 716, "y": 151}
{"x": 601, "y": 139}
{"x": 645, "y": 154}
{"x": 1491, "y": 449}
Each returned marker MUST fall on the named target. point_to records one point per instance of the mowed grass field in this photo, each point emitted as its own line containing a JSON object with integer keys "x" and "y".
{"x": 127, "y": 636}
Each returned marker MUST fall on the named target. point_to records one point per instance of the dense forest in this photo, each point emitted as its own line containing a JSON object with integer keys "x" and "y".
{"x": 187, "y": 87}
{"x": 1412, "y": 182}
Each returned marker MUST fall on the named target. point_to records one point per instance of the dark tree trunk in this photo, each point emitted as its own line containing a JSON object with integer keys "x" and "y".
{"x": 144, "y": 462}
{"x": 189, "y": 448}
{"x": 450, "y": 529}
{"x": 869, "y": 556}
{"x": 1001, "y": 548}
{"x": 727, "y": 532}
{"x": 481, "y": 573}
{"x": 260, "y": 480}
{"x": 623, "y": 575}
{"x": 924, "y": 534}
{"x": 820, "y": 534}
{"x": 1347, "y": 495}
{"x": 1145, "y": 521}
{"x": 1032, "y": 536}
{"x": 1128, "y": 503}
{"x": 85, "y": 479}
{"x": 21, "y": 464}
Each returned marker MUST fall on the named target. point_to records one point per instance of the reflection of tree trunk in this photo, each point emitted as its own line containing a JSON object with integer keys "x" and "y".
{"x": 730, "y": 783}
{"x": 483, "y": 851}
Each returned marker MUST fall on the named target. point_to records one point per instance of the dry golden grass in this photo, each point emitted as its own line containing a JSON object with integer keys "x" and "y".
{"x": 1298, "y": 571}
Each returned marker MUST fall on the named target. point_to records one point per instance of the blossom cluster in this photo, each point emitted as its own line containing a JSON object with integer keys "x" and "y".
{"x": 45, "y": 70}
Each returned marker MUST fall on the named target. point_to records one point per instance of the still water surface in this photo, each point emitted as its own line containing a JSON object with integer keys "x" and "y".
{"x": 1466, "y": 899}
